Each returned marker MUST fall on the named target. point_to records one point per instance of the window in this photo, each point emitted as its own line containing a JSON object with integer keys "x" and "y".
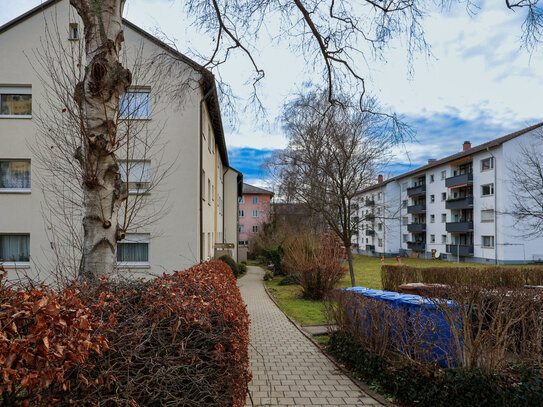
{"x": 432, "y": 218}
{"x": 133, "y": 249}
{"x": 487, "y": 164}
{"x": 241, "y": 213}
{"x": 209, "y": 191}
{"x": 379, "y": 226}
{"x": 443, "y": 239}
{"x": 137, "y": 175}
{"x": 404, "y": 203}
{"x": 210, "y": 133}
{"x": 14, "y": 175}
{"x": 487, "y": 215}
{"x": 203, "y": 188}
{"x": 241, "y": 229}
{"x": 404, "y": 186}
{"x": 241, "y": 200}
{"x": 380, "y": 242}
{"x": 255, "y": 213}
{"x": 404, "y": 238}
{"x": 443, "y": 196}
{"x": 255, "y": 199}
{"x": 405, "y": 220}
{"x": 432, "y": 238}
{"x": 443, "y": 217}
{"x": 379, "y": 196}
{"x": 487, "y": 189}
{"x": 255, "y": 228}
{"x": 487, "y": 241}
{"x": 443, "y": 174}
{"x": 378, "y": 211}
{"x": 16, "y": 101}
{"x": 135, "y": 104}
{"x": 74, "y": 32}
{"x": 431, "y": 178}
{"x": 15, "y": 248}
{"x": 212, "y": 192}
{"x": 432, "y": 198}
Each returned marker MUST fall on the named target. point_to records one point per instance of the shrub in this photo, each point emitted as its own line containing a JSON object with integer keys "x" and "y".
{"x": 268, "y": 276}
{"x": 290, "y": 279}
{"x": 275, "y": 256}
{"x": 242, "y": 268}
{"x": 316, "y": 263}
{"x": 393, "y": 276}
{"x": 232, "y": 264}
{"x": 43, "y": 334}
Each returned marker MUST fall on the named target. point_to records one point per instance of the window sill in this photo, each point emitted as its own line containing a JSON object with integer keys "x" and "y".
{"x": 15, "y": 116}
{"x": 138, "y": 192}
{"x": 16, "y": 264}
{"x": 136, "y": 118}
{"x": 134, "y": 265}
{"x": 14, "y": 190}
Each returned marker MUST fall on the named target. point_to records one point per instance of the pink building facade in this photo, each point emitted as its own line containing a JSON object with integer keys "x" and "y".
{"x": 254, "y": 209}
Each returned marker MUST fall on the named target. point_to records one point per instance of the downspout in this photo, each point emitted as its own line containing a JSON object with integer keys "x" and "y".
{"x": 206, "y": 96}
{"x": 495, "y": 206}
{"x": 223, "y": 199}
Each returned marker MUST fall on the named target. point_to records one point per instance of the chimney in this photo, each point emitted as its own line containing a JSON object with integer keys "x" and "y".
{"x": 467, "y": 145}
{"x": 380, "y": 178}
{"x": 431, "y": 160}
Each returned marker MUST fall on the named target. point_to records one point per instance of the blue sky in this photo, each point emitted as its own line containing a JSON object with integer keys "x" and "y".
{"x": 477, "y": 84}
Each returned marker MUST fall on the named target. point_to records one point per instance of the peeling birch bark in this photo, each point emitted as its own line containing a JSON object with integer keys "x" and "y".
{"x": 106, "y": 80}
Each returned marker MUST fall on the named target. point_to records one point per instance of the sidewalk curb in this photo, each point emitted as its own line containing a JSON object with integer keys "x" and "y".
{"x": 361, "y": 385}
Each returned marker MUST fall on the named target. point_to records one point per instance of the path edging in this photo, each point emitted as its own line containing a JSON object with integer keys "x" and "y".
{"x": 360, "y": 384}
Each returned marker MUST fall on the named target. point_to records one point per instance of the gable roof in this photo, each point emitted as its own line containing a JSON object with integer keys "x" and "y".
{"x": 207, "y": 82}
{"x": 456, "y": 156}
{"x": 252, "y": 190}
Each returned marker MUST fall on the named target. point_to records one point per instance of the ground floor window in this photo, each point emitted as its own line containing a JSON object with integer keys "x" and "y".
{"x": 14, "y": 247}
{"x": 133, "y": 249}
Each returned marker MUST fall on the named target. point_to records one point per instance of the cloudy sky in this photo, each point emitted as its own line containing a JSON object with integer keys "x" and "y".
{"x": 477, "y": 85}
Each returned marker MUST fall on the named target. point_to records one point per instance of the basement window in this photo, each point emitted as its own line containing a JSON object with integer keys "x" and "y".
{"x": 133, "y": 251}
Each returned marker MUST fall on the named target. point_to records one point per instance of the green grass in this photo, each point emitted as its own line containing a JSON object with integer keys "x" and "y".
{"x": 367, "y": 272}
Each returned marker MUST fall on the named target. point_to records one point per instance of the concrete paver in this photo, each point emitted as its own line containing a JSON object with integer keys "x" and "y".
{"x": 288, "y": 370}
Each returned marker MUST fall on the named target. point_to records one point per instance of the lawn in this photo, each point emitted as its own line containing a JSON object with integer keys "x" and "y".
{"x": 367, "y": 272}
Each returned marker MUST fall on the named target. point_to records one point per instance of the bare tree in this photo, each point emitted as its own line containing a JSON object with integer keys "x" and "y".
{"x": 332, "y": 156}
{"x": 526, "y": 187}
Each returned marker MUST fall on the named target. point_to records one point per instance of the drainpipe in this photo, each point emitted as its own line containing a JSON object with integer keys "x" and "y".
{"x": 206, "y": 96}
{"x": 495, "y": 206}
{"x": 223, "y": 199}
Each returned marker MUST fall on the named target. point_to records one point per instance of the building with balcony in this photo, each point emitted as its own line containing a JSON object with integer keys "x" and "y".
{"x": 458, "y": 207}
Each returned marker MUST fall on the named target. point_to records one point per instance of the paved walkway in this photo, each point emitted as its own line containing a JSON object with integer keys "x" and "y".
{"x": 288, "y": 370}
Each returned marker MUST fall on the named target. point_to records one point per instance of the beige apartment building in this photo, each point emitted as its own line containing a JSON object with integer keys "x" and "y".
{"x": 194, "y": 206}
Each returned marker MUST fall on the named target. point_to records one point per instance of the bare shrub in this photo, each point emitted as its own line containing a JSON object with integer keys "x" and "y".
{"x": 317, "y": 263}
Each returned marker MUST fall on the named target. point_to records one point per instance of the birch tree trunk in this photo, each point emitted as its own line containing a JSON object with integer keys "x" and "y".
{"x": 105, "y": 81}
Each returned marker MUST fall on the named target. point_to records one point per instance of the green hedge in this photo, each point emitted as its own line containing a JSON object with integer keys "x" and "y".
{"x": 412, "y": 384}
{"x": 492, "y": 277}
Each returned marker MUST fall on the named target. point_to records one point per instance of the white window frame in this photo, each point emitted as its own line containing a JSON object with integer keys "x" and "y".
{"x": 432, "y": 238}
{"x": 444, "y": 239}
{"x": 491, "y": 167}
{"x": 432, "y": 218}
{"x": 19, "y": 190}
{"x": 491, "y": 185}
{"x": 443, "y": 218}
{"x": 145, "y": 90}
{"x": 255, "y": 228}
{"x": 255, "y": 213}
{"x": 17, "y": 90}
{"x": 241, "y": 228}
{"x": 443, "y": 174}
{"x": 490, "y": 241}
{"x": 241, "y": 200}
{"x": 17, "y": 264}
{"x": 146, "y": 174}
{"x": 136, "y": 238}
{"x": 241, "y": 213}
{"x": 254, "y": 199}
{"x": 487, "y": 220}
{"x": 73, "y": 32}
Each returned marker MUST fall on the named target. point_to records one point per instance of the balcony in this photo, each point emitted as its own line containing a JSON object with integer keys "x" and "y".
{"x": 370, "y": 232}
{"x": 459, "y": 227}
{"x": 418, "y": 190}
{"x": 459, "y": 203}
{"x": 459, "y": 180}
{"x": 370, "y": 202}
{"x": 369, "y": 218}
{"x": 416, "y": 246}
{"x": 370, "y": 248}
{"x": 462, "y": 250}
{"x": 421, "y": 208}
{"x": 416, "y": 227}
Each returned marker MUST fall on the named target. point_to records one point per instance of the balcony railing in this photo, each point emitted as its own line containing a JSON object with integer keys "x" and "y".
{"x": 459, "y": 203}
{"x": 416, "y": 246}
{"x": 370, "y": 202}
{"x": 459, "y": 180}
{"x": 416, "y": 227}
{"x": 370, "y": 248}
{"x": 418, "y": 190}
{"x": 462, "y": 250}
{"x": 370, "y": 232}
{"x": 416, "y": 208}
{"x": 459, "y": 227}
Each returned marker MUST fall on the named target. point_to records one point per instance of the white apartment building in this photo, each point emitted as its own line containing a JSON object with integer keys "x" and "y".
{"x": 198, "y": 195}
{"x": 457, "y": 208}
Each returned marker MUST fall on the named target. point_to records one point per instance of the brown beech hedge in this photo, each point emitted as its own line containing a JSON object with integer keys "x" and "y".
{"x": 181, "y": 339}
